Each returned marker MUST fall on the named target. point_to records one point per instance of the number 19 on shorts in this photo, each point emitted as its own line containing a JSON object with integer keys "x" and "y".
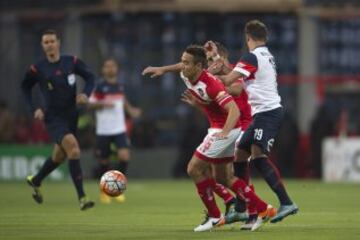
{"x": 258, "y": 134}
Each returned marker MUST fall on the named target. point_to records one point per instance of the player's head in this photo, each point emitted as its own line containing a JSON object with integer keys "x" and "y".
{"x": 255, "y": 34}
{"x": 194, "y": 61}
{"x": 110, "y": 69}
{"x": 222, "y": 51}
{"x": 50, "y": 42}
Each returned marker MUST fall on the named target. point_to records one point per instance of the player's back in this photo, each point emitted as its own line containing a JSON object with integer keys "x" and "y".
{"x": 261, "y": 79}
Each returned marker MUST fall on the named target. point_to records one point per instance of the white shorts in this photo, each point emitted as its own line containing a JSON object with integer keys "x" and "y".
{"x": 216, "y": 150}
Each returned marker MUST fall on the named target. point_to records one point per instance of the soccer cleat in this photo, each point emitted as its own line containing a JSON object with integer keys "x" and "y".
{"x": 209, "y": 223}
{"x": 121, "y": 198}
{"x": 85, "y": 203}
{"x": 230, "y": 205}
{"x": 36, "y": 190}
{"x": 234, "y": 216}
{"x": 284, "y": 211}
{"x": 264, "y": 217}
{"x": 104, "y": 198}
{"x": 248, "y": 224}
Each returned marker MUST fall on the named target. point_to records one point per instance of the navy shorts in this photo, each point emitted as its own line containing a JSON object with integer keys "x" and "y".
{"x": 262, "y": 131}
{"x": 60, "y": 124}
{"x": 103, "y": 144}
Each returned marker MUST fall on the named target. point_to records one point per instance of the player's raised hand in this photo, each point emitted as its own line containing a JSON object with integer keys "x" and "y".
{"x": 153, "y": 71}
{"x": 39, "y": 114}
{"x": 81, "y": 99}
{"x": 211, "y": 49}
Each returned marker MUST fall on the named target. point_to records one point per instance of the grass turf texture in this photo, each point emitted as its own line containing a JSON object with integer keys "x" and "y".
{"x": 170, "y": 210}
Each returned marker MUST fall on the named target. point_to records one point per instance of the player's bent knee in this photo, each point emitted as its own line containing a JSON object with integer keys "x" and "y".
{"x": 241, "y": 155}
{"x": 74, "y": 153}
{"x": 124, "y": 155}
{"x": 256, "y": 152}
{"x": 59, "y": 159}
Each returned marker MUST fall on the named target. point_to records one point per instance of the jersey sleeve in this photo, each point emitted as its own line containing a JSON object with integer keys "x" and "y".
{"x": 216, "y": 91}
{"x": 30, "y": 79}
{"x": 247, "y": 65}
{"x": 84, "y": 71}
{"x": 97, "y": 94}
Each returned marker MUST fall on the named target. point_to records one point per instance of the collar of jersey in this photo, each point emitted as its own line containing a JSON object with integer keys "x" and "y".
{"x": 260, "y": 46}
{"x": 202, "y": 75}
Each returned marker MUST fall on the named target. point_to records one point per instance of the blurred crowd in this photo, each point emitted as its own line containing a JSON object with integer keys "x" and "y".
{"x": 296, "y": 155}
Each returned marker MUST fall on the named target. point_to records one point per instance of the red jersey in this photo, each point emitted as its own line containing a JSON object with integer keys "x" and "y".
{"x": 212, "y": 96}
{"x": 244, "y": 107}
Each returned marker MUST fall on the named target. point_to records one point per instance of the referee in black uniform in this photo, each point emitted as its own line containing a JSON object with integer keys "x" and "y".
{"x": 55, "y": 76}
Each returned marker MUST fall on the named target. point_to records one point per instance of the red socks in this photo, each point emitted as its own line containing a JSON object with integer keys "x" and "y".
{"x": 206, "y": 192}
{"x": 244, "y": 191}
{"x": 222, "y": 192}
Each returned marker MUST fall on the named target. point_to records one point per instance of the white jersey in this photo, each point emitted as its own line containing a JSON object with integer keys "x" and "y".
{"x": 259, "y": 70}
{"x": 109, "y": 121}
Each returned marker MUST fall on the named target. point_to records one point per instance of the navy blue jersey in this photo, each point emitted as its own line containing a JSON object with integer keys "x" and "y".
{"x": 57, "y": 82}
{"x": 104, "y": 88}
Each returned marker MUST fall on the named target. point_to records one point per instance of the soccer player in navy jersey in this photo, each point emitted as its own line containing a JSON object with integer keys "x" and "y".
{"x": 110, "y": 104}
{"x": 258, "y": 69}
{"x": 55, "y": 75}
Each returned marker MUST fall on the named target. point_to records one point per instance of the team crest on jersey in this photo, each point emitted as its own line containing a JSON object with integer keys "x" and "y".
{"x": 71, "y": 79}
{"x": 201, "y": 92}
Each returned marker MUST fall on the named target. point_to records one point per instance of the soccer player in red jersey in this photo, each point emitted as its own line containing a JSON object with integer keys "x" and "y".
{"x": 218, "y": 146}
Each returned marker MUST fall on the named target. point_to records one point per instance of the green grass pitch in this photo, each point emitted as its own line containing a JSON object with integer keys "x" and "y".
{"x": 170, "y": 210}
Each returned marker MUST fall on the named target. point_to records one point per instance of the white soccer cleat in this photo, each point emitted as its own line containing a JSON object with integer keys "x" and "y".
{"x": 264, "y": 217}
{"x": 209, "y": 223}
{"x": 247, "y": 226}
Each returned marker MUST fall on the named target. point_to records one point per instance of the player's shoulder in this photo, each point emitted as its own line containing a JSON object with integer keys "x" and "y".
{"x": 69, "y": 58}
{"x": 38, "y": 65}
{"x": 207, "y": 78}
{"x": 261, "y": 51}
{"x": 249, "y": 58}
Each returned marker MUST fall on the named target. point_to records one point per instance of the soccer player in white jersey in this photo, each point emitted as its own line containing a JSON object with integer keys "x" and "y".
{"x": 217, "y": 149}
{"x": 258, "y": 69}
{"x": 110, "y": 104}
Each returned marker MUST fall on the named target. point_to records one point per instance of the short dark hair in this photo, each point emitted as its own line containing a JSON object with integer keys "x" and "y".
{"x": 256, "y": 30}
{"x": 198, "y": 52}
{"x": 111, "y": 59}
{"x": 222, "y": 50}
{"x": 50, "y": 32}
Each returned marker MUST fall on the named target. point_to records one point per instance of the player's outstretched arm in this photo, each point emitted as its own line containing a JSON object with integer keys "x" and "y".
{"x": 159, "y": 71}
{"x": 230, "y": 78}
{"x": 235, "y": 89}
